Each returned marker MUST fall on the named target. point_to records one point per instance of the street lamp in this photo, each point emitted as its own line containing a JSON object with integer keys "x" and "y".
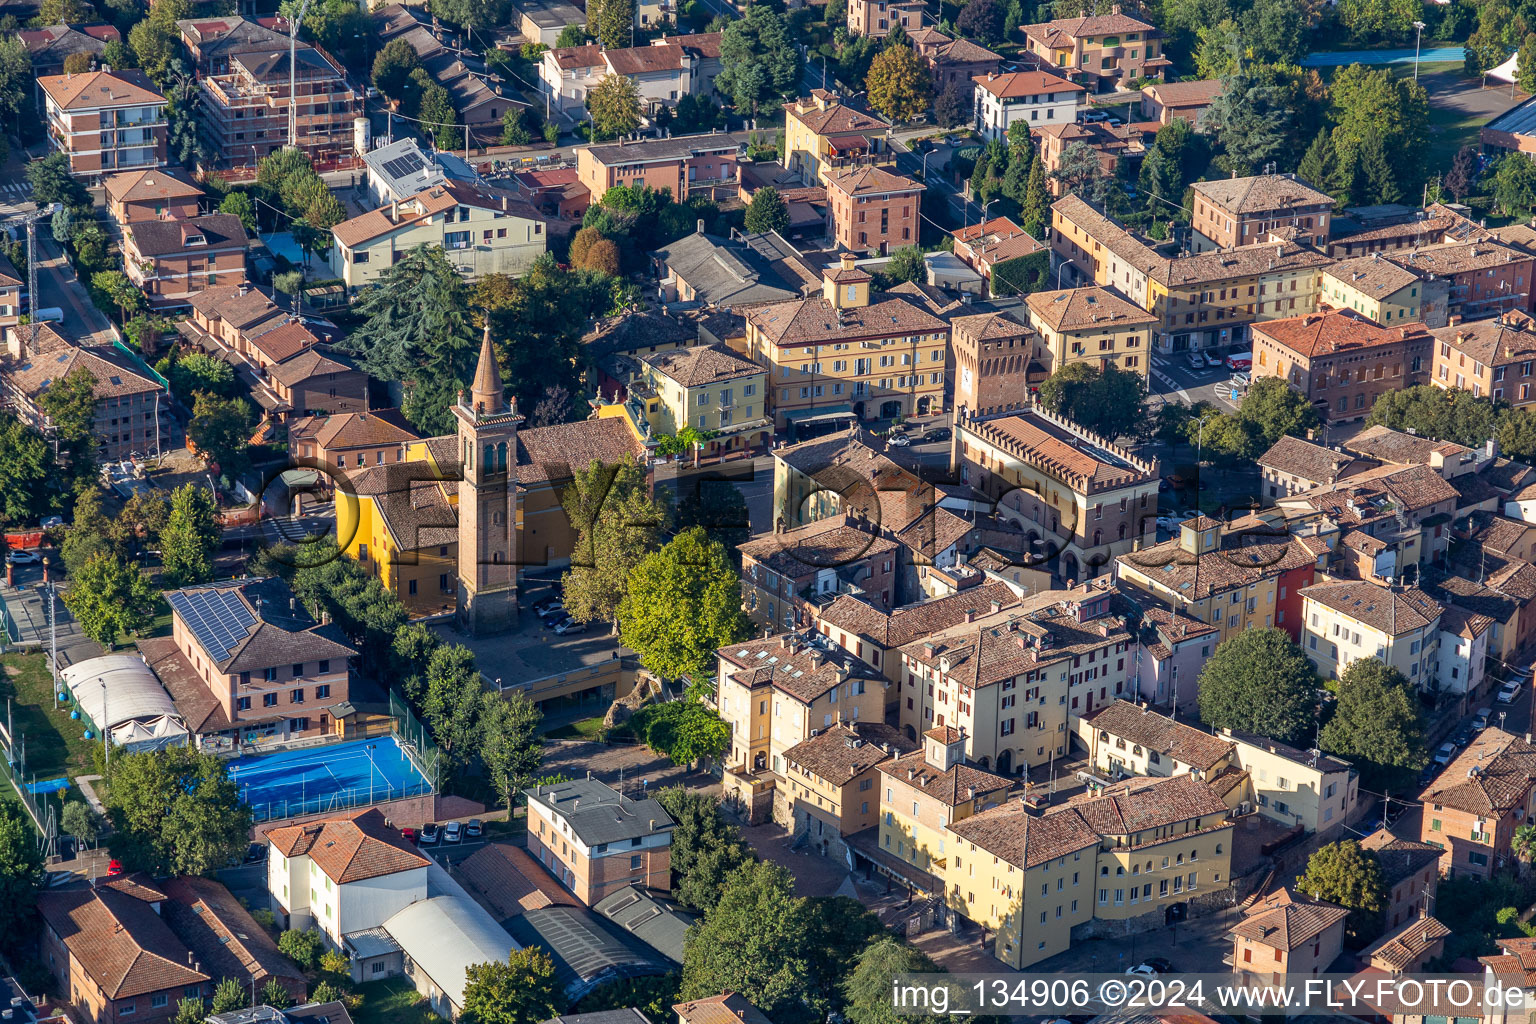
{"x": 1418, "y": 36}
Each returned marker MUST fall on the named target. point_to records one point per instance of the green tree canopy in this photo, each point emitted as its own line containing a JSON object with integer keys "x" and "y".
{"x": 1377, "y": 726}
{"x": 614, "y": 103}
{"x": 1345, "y": 874}
{"x": 1258, "y": 681}
{"x": 191, "y": 536}
{"x": 417, "y": 329}
{"x": 523, "y": 990}
{"x": 221, "y": 427}
{"x": 755, "y": 942}
{"x": 617, "y": 524}
{"x": 176, "y": 811}
{"x": 21, "y": 870}
{"x": 109, "y": 596}
{"x": 1108, "y": 402}
{"x": 706, "y": 848}
{"x": 767, "y": 211}
{"x": 1441, "y": 413}
{"x": 684, "y": 730}
{"x": 758, "y": 58}
{"x": 1254, "y": 121}
{"x": 898, "y": 84}
{"x": 26, "y": 472}
{"x": 683, "y": 603}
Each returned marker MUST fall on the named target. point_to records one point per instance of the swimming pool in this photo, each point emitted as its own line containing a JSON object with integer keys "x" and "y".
{"x": 327, "y": 778}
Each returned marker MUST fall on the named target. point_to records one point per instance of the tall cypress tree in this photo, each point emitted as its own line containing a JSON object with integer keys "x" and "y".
{"x": 1037, "y": 201}
{"x": 1320, "y": 165}
{"x": 1380, "y": 181}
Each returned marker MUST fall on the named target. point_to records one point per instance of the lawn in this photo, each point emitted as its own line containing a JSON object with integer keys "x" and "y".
{"x": 392, "y": 1001}
{"x": 55, "y": 745}
{"x": 585, "y": 729}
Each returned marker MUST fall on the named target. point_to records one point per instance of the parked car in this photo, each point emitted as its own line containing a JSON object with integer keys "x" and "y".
{"x": 453, "y": 832}
{"x": 256, "y": 853}
{"x": 1152, "y": 965}
{"x": 570, "y": 626}
{"x": 23, "y": 557}
{"x": 49, "y": 522}
{"x": 474, "y": 828}
{"x": 1196, "y": 361}
{"x": 554, "y": 619}
{"x": 409, "y": 835}
{"x": 1240, "y": 360}
{"x": 1509, "y": 691}
{"x": 549, "y": 606}
{"x": 899, "y": 441}
{"x": 937, "y": 434}
{"x": 1213, "y": 360}
{"x": 1481, "y": 719}
{"x": 1168, "y": 522}
{"x": 1463, "y": 739}
{"x": 1445, "y": 754}
{"x": 430, "y": 833}
{"x": 1190, "y": 513}
{"x": 1093, "y": 115}
{"x": 114, "y": 868}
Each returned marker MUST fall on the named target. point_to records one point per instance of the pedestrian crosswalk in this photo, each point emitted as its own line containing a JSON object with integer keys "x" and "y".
{"x": 15, "y": 190}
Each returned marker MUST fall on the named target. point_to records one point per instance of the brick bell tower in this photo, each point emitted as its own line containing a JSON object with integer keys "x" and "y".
{"x": 488, "y": 556}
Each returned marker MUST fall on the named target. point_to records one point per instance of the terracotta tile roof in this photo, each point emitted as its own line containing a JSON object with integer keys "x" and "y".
{"x": 1376, "y": 494}
{"x": 1019, "y": 84}
{"x": 1289, "y": 925}
{"x": 1498, "y": 533}
{"x": 910, "y": 622}
{"x": 1136, "y": 805}
{"x": 641, "y": 60}
{"x": 705, "y": 44}
{"x": 222, "y": 934}
{"x": 802, "y": 665}
{"x": 1023, "y": 838}
{"x": 1305, "y": 460}
{"x": 416, "y": 208}
{"x": 1496, "y": 341}
{"x": 571, "y": 57}
{"x": 959, "y": 784}
{"x": 816, "y": 320}
{"x": 1047, "y": 443}
{"x": 996, "y": 240}
{"x": 1337, "y": 330}
{"x": 847, "y": 750}
{"x": 120, "y": 942}
{"x": 1188, "y": 271}
{"x": 1400, "y": 859}
{"x": 549, "y": 454}
{"x": 1518, "y": 959}
{"x": 870, "y": 181}
{"x": 1261, "y": 193}
{"x": 354, "y": 429}
{"x": 144, "y": 186}
{"x": 702, "y": 365}
{"x": 309, "y": 362}
{"x": 138, "y": 884}
{"x": 1372, "y": 276}
{"x": 350, "y": 848}
{"x": 1060, "y": 32}
{"x": 1184, "y": 94}
{"x": 963, "y": 51}
{"x": 833, "y": 542}
{"x": 983, "y": 327}
{"x": 1086, "y": 309}
{"x": 1394, "y": 612}
{"x": 510, "y": 881}
{"x": 1184, "y": 743}
{"x": 1390, "y": 445}
{"x": 259, "y": 627}
{"x": 413, "y": 505}
{"x": 1040, "y": 630}
{"x": 1489, "y": 778}
{"x": 728, "y": 1008}
{"x": 240, "y": 306}
{"x": 1250, "y": 550}
{"x": 1515, "y": 578}
{"x": 94, "y": 89}
{"x": 1457, "y": 258}
{"x": 194, "y": 703}
{"x": 54, "y": 358}
{"x": 836, "y": 119}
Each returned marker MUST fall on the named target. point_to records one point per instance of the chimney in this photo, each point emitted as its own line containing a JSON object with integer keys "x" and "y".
{"x": 970, "y": 615}
{"x": 653, "y": 825}
{"x": 394, "y": 209}
{"x": 503, "y": 204}
{"x": 701, "y": 225}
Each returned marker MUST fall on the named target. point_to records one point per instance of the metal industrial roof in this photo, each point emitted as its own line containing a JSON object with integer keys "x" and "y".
{"x": 446, "y": 935}
{"x": 588, "y": 951}
{"x": 655, "y": 921}
{"x": 132, "y": 690}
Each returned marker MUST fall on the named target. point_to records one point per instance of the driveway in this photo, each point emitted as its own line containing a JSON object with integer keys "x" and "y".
{"x": 1468, "y": 97}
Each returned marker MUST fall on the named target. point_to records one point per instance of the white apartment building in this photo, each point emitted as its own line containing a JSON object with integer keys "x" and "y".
{"x": 1034, "y": 97}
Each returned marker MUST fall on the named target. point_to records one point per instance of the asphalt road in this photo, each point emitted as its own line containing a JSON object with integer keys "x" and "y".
{"x": 1173, "y": 379}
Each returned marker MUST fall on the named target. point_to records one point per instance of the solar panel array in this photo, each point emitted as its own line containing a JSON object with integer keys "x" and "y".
{"x": 217, "y": 617}
{"x": 406, "y": 163}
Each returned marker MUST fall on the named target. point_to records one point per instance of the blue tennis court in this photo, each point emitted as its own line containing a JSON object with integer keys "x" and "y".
{"x": 327, "y": 778}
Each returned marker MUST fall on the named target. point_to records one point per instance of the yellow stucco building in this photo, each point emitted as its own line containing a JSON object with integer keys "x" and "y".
{"x": 1377, "y": 288}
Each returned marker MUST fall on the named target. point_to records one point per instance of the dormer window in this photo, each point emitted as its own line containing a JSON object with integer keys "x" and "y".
{"x": 196, "y": 240}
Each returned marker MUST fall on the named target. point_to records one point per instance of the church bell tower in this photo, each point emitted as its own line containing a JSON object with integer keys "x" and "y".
{"x": 488, "y": 555}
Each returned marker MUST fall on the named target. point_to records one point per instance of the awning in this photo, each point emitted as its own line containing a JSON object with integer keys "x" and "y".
{"x": 737, "y": 428}
{"x": 847, "y": 143}
{"x": 813, "y": 415}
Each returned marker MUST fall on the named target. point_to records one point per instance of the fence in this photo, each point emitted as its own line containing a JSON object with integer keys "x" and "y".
{"x": 414, "y": 738}
{"x": 337, "y": 800}
{"x": 40, "y": 806}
